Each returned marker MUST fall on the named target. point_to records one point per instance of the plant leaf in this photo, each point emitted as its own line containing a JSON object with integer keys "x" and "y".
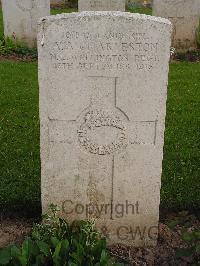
{"x": 181, "y": 252}
{"x": 56, "y": 255}
{"x": 54, "y": 241}
{"x": 43, "y": 247}
{"x": 15, "y": 252}
{"x": 5, "y": 256}
{"x": 197, "y": 249}
{"x": 187, "y": 237}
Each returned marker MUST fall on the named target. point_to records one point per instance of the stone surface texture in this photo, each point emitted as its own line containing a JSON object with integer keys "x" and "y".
{"x": 101, "y": 5}
{"x": 20, "y": 18}
{"x": 103, "y": 88}
{"x": 184, "y": 15}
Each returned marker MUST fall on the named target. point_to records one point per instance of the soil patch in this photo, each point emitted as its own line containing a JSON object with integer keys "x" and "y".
{"x": 14, "y": 230}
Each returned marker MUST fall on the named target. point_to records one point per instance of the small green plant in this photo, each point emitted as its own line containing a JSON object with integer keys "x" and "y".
{"x": 10, "y": 46}
{"x": 192, "y": 241}
{"x": 56, "y": 242}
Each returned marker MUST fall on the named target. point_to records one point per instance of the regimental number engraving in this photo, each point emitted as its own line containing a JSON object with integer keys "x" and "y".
{"x": 114, "y": 130}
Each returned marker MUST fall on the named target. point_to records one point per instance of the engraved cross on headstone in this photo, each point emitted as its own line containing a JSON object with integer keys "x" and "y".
{"x": 103, "y": 129}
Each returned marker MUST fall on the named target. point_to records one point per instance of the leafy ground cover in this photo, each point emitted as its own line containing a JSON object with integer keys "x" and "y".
{"x": 55, "y": 242}
{"x": 178, "y": 242}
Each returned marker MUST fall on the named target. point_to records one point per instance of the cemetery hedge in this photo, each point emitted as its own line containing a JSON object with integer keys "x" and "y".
{"x": 19, "y": 134}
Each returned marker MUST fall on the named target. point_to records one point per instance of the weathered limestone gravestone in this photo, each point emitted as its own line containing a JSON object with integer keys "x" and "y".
{"x": 103, "y": 87}
{"x": 184, "y": 15}
{"x": 20, "y": 18}
{"x": 101, "y": 5}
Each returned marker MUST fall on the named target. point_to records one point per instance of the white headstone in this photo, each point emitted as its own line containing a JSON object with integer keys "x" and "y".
{"x": 101, "y": 5}
{"x": 103, "y": 88}
{"x": 20, "y": 18}
{"x": 185, "y": 16}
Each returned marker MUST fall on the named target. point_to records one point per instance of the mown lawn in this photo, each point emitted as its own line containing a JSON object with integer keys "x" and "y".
{"x": 63, "y": 10}
{"x": 19, "y": 134}
{"x": 181, "y": 165}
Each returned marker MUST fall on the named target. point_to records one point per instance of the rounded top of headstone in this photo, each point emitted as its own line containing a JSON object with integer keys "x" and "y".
{"x": 103, "y": 14}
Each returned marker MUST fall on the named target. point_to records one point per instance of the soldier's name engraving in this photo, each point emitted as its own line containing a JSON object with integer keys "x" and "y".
{"x": 75, "y": 51}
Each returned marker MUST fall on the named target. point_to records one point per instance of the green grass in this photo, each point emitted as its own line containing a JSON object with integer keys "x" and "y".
{"x": 181, "y": 166}
{"x": 19, "y": 134}
{"x": 63, "y": 10}
{"x": 140, "y": 10}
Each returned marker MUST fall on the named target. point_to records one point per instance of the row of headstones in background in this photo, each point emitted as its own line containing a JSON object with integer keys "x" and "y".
{"x": 101, "y": 5}
{"x": 20, "y": 19}
{"x": 103, "y": 88}
{"x": 106, "y": 5}
{"x": 185, "y": 17}
{"x": 20, "y": 16}
{"x": 131, "y": 3}
{"x": 97, "y": 5}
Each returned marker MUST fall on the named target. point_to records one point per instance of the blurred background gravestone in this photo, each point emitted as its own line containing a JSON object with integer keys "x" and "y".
{"x": 184, "y": 15}
{"x": 101, "y": 5}
{"x": 20, "y": 19}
